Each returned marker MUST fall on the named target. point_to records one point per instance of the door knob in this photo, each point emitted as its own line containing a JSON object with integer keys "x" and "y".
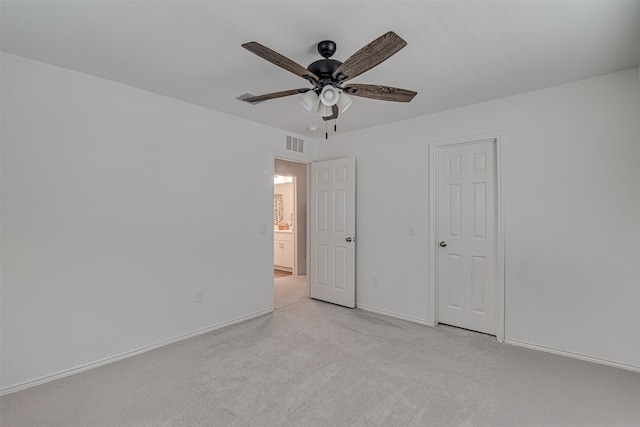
{"x": 351, "y": 239}
{"x": 443, "y": 244}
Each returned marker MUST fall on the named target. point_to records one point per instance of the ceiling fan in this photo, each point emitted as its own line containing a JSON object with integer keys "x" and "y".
{"x": 329, "y": 94}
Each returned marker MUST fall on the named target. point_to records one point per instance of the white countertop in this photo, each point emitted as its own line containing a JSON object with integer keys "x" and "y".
{"x": 283, "y": 231}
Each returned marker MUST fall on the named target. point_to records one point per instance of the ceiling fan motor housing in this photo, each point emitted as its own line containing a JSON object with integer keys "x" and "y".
{"x": 324, "y": 68}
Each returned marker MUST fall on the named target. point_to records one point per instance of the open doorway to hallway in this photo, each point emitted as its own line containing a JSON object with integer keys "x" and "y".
{"x": 290, "y": 232}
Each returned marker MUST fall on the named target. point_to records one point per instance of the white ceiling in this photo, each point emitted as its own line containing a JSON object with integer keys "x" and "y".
{"x": 458, "y": 52}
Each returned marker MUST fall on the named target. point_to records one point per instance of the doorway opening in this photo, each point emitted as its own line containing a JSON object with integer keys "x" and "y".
{"x": 289, "y": 232}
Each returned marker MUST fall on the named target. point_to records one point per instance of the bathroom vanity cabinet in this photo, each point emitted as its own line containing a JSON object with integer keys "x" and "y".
{"x": 283, "y": 252}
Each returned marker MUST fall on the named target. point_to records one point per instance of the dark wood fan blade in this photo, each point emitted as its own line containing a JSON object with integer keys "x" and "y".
{"x": 333, "y": 116}
{"x": 383, "y": 93}
{"x": 275, "y": 95}
{"x": 279, "y": 60}
{"x": 369, "y": 56}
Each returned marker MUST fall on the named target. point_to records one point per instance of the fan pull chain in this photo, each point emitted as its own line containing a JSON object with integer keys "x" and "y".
{"x": 326, "y": 132}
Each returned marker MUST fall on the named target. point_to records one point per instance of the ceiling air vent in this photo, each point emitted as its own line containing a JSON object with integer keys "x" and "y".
{"x": 248, "y": 95}
{"x": 295, "y": 144}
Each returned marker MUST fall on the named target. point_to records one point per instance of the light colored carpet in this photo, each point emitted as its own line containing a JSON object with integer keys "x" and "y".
{"x": 317, "y": 364}
{"x": 289, "y": 290}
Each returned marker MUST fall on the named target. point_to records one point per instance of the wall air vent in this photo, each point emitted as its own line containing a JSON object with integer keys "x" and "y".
{"x": 247, "y": 95}
{"x": 295, "y": 144}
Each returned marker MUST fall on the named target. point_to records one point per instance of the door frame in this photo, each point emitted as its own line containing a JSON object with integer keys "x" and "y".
{"x": 281, "y": 156}
{"x": 434, "y": 146}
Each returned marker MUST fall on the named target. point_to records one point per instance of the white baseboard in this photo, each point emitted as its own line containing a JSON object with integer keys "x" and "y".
{"x": 513, "y": 342}
{"x": 121, "y": 356}
{"x": 573, "y": 355}
{"x": 396, "y": 315}
{"x": 112, "y": 359}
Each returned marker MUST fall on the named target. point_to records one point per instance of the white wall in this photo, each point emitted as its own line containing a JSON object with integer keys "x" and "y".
{"x": 571, "y": 181}
{"x": 116, "y": 208}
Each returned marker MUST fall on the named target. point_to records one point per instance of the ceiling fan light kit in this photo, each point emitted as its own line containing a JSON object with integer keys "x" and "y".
{"x": 323, "y": 110}
{"x": 329, "y": 96}
{"x": 344, "y": 102}
{"x": 310, "y": 100}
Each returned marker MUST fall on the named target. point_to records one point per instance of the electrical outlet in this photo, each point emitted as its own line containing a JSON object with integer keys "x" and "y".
{"x": 374, "y": 282}
{"x": 199, "y": 295}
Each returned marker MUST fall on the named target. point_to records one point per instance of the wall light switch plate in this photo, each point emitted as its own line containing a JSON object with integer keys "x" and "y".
{"x": 264, "y": 229}
{"x": 412, "y": 229}
{"x": 199, "y": 295}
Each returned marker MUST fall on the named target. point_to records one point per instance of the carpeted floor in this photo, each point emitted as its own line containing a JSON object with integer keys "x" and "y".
{"x": 289, "y": 290}
{"x": 315, "y": 364}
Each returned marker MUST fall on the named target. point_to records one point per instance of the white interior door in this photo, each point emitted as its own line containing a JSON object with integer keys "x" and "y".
{"x": 467, "y": 236}
{"x": 332, "y": 231}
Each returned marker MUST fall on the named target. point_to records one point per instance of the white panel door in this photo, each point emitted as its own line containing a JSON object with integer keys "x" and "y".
{"x": 332, "y": 231}
{"x": 467, "y": 236}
